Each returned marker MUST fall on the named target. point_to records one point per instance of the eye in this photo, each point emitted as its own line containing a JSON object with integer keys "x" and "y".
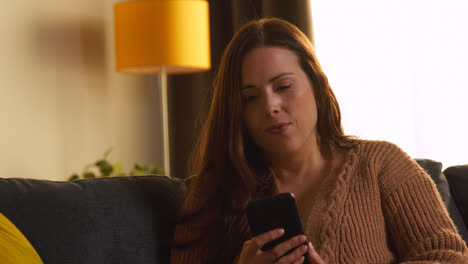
{"x": 247, "y": 99}
{"x": 283, "y": 87}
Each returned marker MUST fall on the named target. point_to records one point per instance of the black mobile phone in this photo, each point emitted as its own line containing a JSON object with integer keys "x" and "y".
{"x": 279, "y": 211}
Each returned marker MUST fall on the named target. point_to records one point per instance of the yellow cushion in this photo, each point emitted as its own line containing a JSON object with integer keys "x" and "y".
{"x": 14, "y": 247}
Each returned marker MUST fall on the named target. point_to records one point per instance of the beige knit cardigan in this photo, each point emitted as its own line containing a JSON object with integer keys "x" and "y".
{"x": 377, "y": 206}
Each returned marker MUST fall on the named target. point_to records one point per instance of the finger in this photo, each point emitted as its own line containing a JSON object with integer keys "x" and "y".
{"x": 260, "y": 240}
{"x": 313, "y": 256}
{"x": 299, "y": 260}
{"x": 294, "y": 256}
{"x": 287, "y": 245}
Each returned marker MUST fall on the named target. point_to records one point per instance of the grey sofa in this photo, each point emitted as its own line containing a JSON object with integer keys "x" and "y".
{"x": 131, "y": 219}
{"x": 104, "y": 220}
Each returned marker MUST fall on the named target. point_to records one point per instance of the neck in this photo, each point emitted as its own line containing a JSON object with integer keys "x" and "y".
{"x": 298, "y": 168}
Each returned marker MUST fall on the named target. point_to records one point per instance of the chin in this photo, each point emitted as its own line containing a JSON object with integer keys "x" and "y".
{"x": 283, "y": 150}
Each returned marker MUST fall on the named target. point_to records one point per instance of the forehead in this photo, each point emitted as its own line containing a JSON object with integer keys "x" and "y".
{"x": 266, "y": 62}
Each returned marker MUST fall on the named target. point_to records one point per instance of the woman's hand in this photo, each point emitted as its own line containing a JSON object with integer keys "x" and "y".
{"x": 252, "y": 252}
{"x": 313, "y": 256}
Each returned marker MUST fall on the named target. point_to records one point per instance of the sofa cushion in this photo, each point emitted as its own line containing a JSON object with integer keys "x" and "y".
{"x": 434, "y": 169}
{"x": 14, "y": 247}
{"x": 457, "y": 177}
{"x": 104, "y": 220}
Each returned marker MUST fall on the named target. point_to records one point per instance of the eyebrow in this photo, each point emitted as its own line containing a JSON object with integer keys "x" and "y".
{"x": 271, "y": 80}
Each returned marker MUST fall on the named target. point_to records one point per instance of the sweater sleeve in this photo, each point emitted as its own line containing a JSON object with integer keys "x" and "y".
{"x": 419, "y": 226}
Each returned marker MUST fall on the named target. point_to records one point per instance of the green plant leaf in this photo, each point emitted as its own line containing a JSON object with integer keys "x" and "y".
{"x": 140, "y": 173}
{"x": 73, "y": 177}
{"x": 89, "y": 175}
{"x": 118, "y": 169}
{"x": 135, "y": 172}
{"x": 104, "y": 167}
{"x": 138, "y": 166}
{"x": 157, "y": 171}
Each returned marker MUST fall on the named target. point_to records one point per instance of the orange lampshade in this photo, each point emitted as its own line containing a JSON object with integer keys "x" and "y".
{"x": 154, "y": 33}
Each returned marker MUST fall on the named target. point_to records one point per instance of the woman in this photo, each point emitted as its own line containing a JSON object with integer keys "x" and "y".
{"x": 274, "y": 126}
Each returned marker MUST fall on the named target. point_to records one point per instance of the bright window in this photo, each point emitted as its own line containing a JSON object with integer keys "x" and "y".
{"x": 400, "y": 71}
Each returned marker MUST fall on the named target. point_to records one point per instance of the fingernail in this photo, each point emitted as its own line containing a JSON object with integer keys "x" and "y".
{"x": 310, "y": 246}
{"x": 281, "y": 231}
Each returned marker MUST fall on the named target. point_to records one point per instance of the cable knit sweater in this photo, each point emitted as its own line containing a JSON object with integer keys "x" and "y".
{"x": 376, "y": 206}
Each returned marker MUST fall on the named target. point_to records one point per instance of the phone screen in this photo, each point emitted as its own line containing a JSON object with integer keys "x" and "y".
{"x": 279, "y": 211}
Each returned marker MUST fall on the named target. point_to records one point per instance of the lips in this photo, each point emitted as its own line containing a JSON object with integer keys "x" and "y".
{"x": 278, "y": 128}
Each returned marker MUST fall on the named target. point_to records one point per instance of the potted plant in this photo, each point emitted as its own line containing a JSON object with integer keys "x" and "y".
{"x": 104, "y": 168}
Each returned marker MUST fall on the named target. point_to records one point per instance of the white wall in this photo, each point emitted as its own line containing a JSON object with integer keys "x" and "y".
{"x": 61, "y": 102}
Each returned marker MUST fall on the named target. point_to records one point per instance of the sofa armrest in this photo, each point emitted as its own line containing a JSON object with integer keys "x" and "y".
{"x": 434, "y": 169}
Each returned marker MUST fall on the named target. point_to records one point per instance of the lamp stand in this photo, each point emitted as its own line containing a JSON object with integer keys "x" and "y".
{"x": 165, "y": 116}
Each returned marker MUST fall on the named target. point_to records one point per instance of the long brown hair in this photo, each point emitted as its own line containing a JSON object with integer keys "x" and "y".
{"x": 229, "y": 166}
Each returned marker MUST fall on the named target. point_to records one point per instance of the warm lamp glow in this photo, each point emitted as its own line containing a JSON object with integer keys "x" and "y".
{"x": 162, "y": 36}
{"x": 154, "y": 33}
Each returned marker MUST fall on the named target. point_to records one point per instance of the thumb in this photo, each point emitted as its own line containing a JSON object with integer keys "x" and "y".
{"x": 313, "y": 256}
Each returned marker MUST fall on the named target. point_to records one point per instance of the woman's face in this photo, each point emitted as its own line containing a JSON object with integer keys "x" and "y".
{"x": 279, "y": 109}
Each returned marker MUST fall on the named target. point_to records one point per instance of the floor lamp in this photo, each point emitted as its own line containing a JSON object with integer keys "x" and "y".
{"x": 162, "y": 37}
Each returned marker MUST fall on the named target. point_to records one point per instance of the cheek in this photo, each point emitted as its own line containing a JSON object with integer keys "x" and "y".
{"x": 301, "y": 101}
{"x": 305, "y": 106}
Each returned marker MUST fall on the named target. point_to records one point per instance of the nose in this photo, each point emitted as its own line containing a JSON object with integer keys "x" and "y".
{"x": 272, "y": 104}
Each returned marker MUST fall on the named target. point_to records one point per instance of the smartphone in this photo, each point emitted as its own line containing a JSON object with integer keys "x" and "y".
{"x": 279, "y": 211}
